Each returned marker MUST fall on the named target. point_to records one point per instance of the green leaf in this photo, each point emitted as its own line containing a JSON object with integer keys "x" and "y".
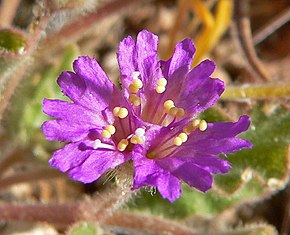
{"x": 85, "y": 228}
{"x": 260, "y": 229}
{"x": 268, "y": 159}
{"x": 11, "y": 41}
{"x": 27, "y": 116}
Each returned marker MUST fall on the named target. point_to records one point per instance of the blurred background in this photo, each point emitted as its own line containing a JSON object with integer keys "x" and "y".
{"x": 250, "y": 42}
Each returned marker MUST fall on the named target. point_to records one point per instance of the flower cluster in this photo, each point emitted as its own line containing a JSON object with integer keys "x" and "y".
{"x": 152, "y": 121}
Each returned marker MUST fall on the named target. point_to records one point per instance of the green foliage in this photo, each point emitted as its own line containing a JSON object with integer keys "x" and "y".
{"x": 26, "y": 116}
{"x": 11, "y": 41}
{"x": 260, "y": 229}
{"x": 85, "y": 228}
{"x": 255, "y": 173}
{"x": 268, "y": 159}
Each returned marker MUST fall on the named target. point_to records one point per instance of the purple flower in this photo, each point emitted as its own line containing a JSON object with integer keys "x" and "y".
{"x": 153, "y": 121}
{"x": 178, "y": 146}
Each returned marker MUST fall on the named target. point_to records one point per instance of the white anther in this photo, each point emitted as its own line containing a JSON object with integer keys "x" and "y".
{"x": 140, "y": 133}
{"x": 98, "y": 144}
{"x": 135, "y": 74}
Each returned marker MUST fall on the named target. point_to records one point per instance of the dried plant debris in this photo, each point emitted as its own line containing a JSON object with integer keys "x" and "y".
{"x": 154, "y": 149}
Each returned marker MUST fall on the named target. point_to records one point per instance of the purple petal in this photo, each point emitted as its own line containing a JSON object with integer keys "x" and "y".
{"x": 219, "y": 138}
{"x": 222, "y": 146}
{"x": 148, "y": 173}
{"x": 96, "y": 164}
{"x": 182, "y": 58}
{"x": 69, "y": 156}
{"x": 65, "y": 131}
{"x": 90, "y": 86}
{"x": 169, "y": 186}
{"x": 188, "y": 171}
{"x": 219, "y": 130}
{"x": 71, "y": 112}
{"x": 146, "y": 47}
{"x": 211, "y": 164}
{"x": 127, "y": 60}
{"x": 194, "y": 176}
{"x": 200, "y": 91}
{"x": 176, "y": 69}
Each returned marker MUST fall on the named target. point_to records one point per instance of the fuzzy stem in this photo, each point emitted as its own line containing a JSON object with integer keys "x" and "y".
{"x": 52, "y": 213}
{"x": 7, "y": 12}
{"x": 260, "y": 91}
{"x": 111, "y": 199}
{"x": 14, "y": 76}
{"x": 150, "y": 223}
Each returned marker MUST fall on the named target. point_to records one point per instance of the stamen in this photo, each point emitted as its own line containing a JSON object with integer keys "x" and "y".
{"x": 135, "y": 74}
{"x": 134, "y": 99}
{"x": 111, "y": 129}
{"x": 162, "y": 82}
{"x": 188, "y": 129}
{"x": 120, "y": 112}
{"x": 108, "y": 131}
{"x": 173, "y": 111}
{"x": 168, "y": 104}
{"x": 202, "y": 125}
{"x": 135, "y": 140}
{"x": 183, "y": 137}
{"x": 140, "y": 132}
{"x": 161, "y": 87}
{"x": 122, "y": 145}
{"x": 196, "y": 122}
{"x": 137, "y": 83}
{"x": 133, "y": 89}
{"x": 116, "y": 111}
{"x": 177, "y": 141}
{"x": 106, "y": 134}
{"x": 139, "y": 137}
{"x": 98, "y": 144}
{"x": 123, "y": 113}
{"x": 180, "y": 112}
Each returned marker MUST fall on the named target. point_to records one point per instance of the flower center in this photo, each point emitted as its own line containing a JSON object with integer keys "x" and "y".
{"x": 170, "y": 144}
{"x": 153, "y": 111}
{"x": 119, "y": 135}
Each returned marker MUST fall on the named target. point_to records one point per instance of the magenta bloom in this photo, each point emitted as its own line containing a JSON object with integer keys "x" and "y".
{"x": 153, "y": 121}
